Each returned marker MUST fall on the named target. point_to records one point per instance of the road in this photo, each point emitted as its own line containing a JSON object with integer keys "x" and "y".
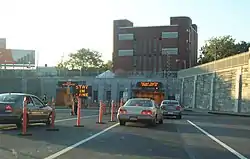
{"x": 175, "y": 139}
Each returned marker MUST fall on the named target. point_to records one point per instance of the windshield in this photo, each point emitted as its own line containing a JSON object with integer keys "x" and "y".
{"x": 139, "y": 102}
{"x": 170, "y": 102}
{"x": 9, "y": 98}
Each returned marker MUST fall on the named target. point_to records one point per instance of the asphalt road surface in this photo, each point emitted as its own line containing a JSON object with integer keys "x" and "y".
{"x": 196, "y": 136}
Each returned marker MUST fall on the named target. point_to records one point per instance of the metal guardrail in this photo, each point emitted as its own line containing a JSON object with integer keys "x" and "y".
{"x": 229, "y": 62}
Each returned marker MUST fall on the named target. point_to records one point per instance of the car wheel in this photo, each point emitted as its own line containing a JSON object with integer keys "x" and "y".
{"x": 49, "y": 120}
{"x": 122, "y": 123}
{"x": 19, "y": 125}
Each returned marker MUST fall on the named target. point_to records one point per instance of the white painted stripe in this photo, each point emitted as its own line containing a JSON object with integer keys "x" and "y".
{"x": 63, "y": 151}
{"x": 218, "y": 141}
{"x": 68, "y": 119}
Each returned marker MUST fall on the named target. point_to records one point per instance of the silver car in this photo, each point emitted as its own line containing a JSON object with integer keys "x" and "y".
{"x": 171, "y": 108}
{"x": 141, "y": 110}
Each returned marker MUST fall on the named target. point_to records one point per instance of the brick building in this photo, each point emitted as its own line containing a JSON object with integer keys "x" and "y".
{"x": 154, "y": 49}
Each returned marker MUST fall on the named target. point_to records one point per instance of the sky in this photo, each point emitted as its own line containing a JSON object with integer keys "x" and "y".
{"x": 55, "y": 28}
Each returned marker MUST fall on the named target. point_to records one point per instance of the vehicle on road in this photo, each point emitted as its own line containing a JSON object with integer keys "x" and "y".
{"x": 153, "y": 90}
{"x": 171, "y": 108}
{"x": 141, "y": 110}
{"x": 11, "y": 109}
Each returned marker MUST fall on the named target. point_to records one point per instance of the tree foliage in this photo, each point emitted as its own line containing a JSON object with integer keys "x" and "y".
{"x": 85, "y": 60}
{"x": 108, "y": 65}
{"x": 221, "y": 47}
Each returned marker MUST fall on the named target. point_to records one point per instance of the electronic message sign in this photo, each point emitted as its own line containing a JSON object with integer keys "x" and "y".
{"x": 67, "y": 83}
{"x": 149, "y": 84}
{"x": 83, "y": 90}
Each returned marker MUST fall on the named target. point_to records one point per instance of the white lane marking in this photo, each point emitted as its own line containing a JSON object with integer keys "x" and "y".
{"x": 68, "y": 119}
{"x": 63, "y": 151}
{"x": 218, "y": 141}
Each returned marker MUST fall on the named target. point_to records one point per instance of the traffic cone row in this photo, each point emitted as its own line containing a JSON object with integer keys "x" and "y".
{"x": 102, "y": 111}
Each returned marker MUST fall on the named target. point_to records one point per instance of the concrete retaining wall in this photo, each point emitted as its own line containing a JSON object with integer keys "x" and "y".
{"x": 225, "y": 90}
{"x": 48, "y": 85}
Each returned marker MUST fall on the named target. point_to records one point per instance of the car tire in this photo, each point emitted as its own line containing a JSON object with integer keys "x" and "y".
{"x": 19, "y": 125}
{"x": 49, "y": 120}
{"x": 122, "y": 123}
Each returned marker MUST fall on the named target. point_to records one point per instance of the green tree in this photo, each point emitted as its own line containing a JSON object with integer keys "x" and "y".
{"x": 83, "y": 59}
{"x": 221, "y": 47}
{"x": 108, "y": 65}
{"x": 242, "y": 46}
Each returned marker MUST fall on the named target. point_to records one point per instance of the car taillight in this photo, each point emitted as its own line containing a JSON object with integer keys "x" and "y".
{"x": 123, "y": 111}
{"x": 178, "y": 107}
{"x": 147, "y": 112}
{"x": 8, "y": 108}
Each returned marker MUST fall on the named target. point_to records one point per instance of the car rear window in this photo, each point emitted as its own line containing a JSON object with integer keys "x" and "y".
{"x": 9, "y": 98}
{"x": 170, "y": 102}
{"x": 142, "y": 103}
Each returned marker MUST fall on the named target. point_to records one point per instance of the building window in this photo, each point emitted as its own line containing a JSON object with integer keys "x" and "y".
{"x": 168, "y": 35}
{"x": 125, "y": 52}
{"x": 126, "y": 36}
{"x": 169, "y": 51}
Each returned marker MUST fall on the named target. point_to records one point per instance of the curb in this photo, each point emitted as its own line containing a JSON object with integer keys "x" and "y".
{"x": 229, "y": 114}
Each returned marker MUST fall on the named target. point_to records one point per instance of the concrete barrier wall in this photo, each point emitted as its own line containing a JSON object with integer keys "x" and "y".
{"x": 11, "y": 85}
{"x": 226, "y": 90}
{"x": 48, "y": 85}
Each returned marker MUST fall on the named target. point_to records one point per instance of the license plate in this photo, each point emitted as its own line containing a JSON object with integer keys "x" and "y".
{"x": 170, "y": 113}
{"x": 133, "y": 118}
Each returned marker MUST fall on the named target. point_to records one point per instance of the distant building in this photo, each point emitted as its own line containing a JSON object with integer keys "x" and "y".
{"x": 16, "y": 57}
{"x": 155, "y": 48}
{"x": 2, "y": 43}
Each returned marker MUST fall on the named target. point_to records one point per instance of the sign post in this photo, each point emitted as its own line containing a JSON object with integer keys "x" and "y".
{"x": 81, "y": 91}
{"x": 25, "y": 119}
{"x": 78, "y": 120}
{"x": 112, "y": 117}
